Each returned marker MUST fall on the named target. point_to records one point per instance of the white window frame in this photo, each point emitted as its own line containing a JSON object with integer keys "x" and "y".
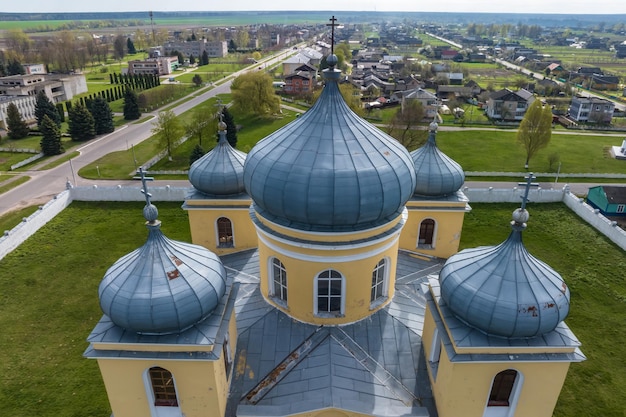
{"x": 217, "y": 233}
{"x": 384, "y": 292}
{"x": 272, "y": 282}
{"x": 160, "y": 411}
{"x": 505, "y": 411}
{"x": 434, "y": 237}
{"x": 620, "y": 208}
{"x": 329, "y": 314}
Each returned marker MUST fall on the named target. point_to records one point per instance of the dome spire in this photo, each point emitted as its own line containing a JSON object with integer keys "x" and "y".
{"x": 150, "y": 212}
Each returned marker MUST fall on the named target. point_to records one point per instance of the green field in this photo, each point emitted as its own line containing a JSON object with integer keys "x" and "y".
{"x": 47, "y": 313}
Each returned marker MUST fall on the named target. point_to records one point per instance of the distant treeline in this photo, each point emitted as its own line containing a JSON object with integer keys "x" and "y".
{"x": 346, "y": 17}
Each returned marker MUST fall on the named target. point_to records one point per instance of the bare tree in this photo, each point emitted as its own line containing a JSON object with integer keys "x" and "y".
{"x": 404, "y": 125}
{"x": 168, "y": 130}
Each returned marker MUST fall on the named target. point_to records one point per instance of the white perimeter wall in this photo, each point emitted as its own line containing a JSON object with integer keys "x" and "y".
{"x": 29, "y": 226}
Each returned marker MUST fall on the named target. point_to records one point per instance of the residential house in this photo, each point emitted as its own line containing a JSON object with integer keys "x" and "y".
{"x": 604, "y": 82}
{"x": 449, "y": 54}
{"x": 477, "y": 58}
{"x": 555, "y": 69}
{"x": 449, "y": 92}
{"x": 291, "y": 64}
{"x": 588, "y": 71}
{"x": 591, "y": 110}
{"x": 299, "y": 82}
{"x": 610, "y": 200}
{"x": 507, "y": 105}
{"x": 426, "y": 98}
{"x": 620, "y": 50}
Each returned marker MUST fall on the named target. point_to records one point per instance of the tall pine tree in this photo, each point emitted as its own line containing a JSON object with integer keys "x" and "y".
{"x": 231, "y": 127}
{"x": 51, "y": 141}
{"x": 44, "y": 107}
{"x": 16, "y": 126}
{"x": 131, "y": 105}
{"x": 102, "y": 116}
{"x": 81, "y": 124}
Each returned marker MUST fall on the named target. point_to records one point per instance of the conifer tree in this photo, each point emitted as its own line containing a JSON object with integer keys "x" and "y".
{"x": 204, "y": 59}
{"x": 131, "y": 105}
{"x": 44, "y": 107}
{"x": 231, "y": 127}
{"x": 130, "y": 46}
{"x": 102, "y": 116}
{"x": 81, "y": 124}
{"x": 196, "y": 153}
{"x": 16, "y": 126}
{"x": 51, "y": 141}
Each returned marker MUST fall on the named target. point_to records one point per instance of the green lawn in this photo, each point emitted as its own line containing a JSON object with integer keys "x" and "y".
{"x": 46, "y": 313}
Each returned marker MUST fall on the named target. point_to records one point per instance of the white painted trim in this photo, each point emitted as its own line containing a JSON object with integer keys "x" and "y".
{"x": 160, "y": 411}
{"x": 435, "y": 347}
{"x": 217, "y": 232}
{"x": 324, "y": 258}
{"x": 435, "y": 230}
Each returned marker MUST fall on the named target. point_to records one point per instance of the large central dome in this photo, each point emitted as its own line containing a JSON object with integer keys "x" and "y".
{"x": 329, "y": 169}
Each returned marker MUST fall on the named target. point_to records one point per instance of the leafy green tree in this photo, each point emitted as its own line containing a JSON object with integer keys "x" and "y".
{"x": 535, "y": 131}
{"x": 197, "y": 80}
{"x": 51, "y": 141}
{"x": 102, "y": 116}
{"x": 131, "y": 105}
{"x": 232, "y": 46}
{"x": 168, "y": 130}
{"x": 253, "y": 93}
{"x": 119, "y": 47}
{"x": 16, "y": 126}
{"x": 44, "y": 107}
{"x": 200, "y": 124}
{"x": 81, "y": 124}
{"x": 204, "y": 59}
{"x": 196, "y": 153}
{"x": 130, "y": 46}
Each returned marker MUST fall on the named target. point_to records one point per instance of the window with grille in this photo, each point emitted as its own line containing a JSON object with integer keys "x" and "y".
{"x": 224, "y": 233}
{"x": 163, "y": 387}
{"x": 426, "y": 234}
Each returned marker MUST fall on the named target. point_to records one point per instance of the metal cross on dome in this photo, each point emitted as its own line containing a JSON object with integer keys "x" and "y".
{"x": 529, "y": 183}
{"x": 332, "y": 25}
{"x": 144, "y": 185}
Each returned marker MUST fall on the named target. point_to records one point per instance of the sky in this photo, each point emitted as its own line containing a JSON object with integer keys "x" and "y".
{"x": 495, "y": 6}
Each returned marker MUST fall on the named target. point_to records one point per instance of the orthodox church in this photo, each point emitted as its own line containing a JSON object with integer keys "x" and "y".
{"x": 324, "y": 280}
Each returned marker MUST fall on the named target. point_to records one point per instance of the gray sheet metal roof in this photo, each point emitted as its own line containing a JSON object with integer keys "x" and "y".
{"x": 374, "y": 366}
{"x": 503, "y": 290}
{"x": 220, "y": 171}
{"x": 437, "y": 174}
{"x": 465, "y": 336}
{"x": 329, "y": 169}
{"x": 165, "y": 286}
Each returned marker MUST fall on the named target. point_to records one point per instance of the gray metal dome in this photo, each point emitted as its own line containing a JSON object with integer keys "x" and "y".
{"x": 503, "y": 290}
{"x": 437, "y": 174}
{"x": 163, "y": 287}
{"x": 329, "y": 169}
{"x": 220, "y": 171}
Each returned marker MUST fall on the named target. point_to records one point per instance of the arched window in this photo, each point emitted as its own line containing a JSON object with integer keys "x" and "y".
{"x": 426, "y": 234}
{"x": 163, "y": 388}
{"x": 329, "y": 289}
{"x": 379, "y": 274}
{"x": 278, "y": 281}
{"x": 224, "y": 233}
{"x": 504, "y": 394}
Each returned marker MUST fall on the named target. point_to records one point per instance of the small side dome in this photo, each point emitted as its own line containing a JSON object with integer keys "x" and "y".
{"x": 163, "y": 287}
{"x": 437, "y": 174}
{"x": 220, "y": 171}
{"x": 503, "y": 290}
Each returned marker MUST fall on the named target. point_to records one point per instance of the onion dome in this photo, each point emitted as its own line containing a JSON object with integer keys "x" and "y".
{"x": 503, "y": 290}
{"x": 437, "y": 174}
{"x": 163, "y": 287}
{"x": 329, "y": 169}
{"x": 220, "y": 171}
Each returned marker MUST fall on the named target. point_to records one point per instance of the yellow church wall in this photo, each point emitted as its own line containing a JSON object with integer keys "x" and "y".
{"x": 203, "y": 224}
{"x": 448, "y": 226}
{"x": 303, "y": 264}
{"x": 462, "y": 388}
{"x": 197, "y": 387}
